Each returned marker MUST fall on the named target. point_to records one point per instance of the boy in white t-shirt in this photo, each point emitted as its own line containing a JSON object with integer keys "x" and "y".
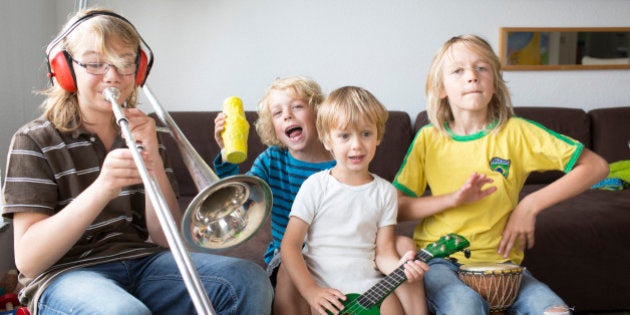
{"x": 345, "y": 216}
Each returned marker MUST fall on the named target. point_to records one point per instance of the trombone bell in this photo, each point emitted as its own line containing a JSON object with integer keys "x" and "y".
{"x": 226, "y": 213}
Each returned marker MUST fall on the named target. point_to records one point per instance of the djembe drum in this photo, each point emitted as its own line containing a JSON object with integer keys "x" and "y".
{"x": 496, "y": 283}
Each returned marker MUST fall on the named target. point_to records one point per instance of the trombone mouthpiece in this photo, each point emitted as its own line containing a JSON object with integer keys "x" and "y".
{"x": 111, "y": 94}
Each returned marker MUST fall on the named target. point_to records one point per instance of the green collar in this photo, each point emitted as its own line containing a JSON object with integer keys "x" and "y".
{"x": 474, "y": 136}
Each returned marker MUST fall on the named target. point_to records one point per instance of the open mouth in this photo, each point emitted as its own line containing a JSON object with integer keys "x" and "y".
{"x": 293, "y": 131}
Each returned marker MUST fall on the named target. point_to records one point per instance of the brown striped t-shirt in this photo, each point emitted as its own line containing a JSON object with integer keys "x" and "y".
{"x": 47, "y": 169}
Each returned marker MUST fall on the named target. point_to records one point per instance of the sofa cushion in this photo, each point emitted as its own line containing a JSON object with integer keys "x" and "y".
{"x": 579, "y": 244}
{"x": 610, "y": 141}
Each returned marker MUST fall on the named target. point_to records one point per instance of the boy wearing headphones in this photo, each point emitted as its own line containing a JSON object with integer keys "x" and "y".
{"x": 87, "y": 238}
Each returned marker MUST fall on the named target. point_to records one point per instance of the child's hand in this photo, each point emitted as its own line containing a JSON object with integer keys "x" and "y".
{"x": 118, "y": 170}
{"x": 325, "y": 299}
{"x": 471, "y": 190}
{"x": 519, "y": 228}
{"x": 143, "y": 131}
{"x": 219, "y": 126}
{"x": 414, "y": 269}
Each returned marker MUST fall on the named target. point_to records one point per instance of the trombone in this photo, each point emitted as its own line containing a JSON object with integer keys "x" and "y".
{"x": 224, "y": 214}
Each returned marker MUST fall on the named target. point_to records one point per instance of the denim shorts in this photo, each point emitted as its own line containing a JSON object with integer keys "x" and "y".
{"x": 273, "y": 266}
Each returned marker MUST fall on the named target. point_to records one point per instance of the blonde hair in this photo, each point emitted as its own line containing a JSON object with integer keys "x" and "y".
{"x": 61, "y": 107}
{"x": 439, "y": 110}
{"x": 299, "y": 87}
{"x": 346, "y": 106}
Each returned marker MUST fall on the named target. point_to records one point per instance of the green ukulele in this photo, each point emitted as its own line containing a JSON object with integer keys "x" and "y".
{"x": 369, "y": 303}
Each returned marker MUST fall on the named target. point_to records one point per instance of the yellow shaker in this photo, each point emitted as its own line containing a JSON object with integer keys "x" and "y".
{"x": 236, "y": 131}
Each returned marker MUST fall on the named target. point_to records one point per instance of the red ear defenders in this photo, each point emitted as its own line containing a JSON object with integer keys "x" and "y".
{"x": 60, "y": 66}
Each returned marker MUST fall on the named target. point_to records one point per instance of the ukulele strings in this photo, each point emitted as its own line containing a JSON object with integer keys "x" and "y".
{"x": 355, "y": 306}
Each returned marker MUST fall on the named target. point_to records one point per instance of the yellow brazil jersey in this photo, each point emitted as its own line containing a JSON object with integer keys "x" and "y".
{"x": 507, "y": 156}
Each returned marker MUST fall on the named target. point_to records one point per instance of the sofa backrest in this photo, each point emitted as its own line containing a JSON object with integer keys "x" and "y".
{"x": 610, "y": 132}
{"x": 198, "y": 128}
{"x": 603, "y": 130}
{"x": 572, "y": 122}
{"x": 393, "y": 148}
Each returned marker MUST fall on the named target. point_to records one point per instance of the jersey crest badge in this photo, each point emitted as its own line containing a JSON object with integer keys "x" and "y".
{"x": 500, "y": 166}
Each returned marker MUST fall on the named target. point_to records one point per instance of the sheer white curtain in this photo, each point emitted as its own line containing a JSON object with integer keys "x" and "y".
{"x": 80, "y": 5}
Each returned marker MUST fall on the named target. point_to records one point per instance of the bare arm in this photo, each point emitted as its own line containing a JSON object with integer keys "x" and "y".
{"x": 41, "y": 240}
{"x": 589, "y": 169}
{"x": 319, "y": 298}
{"x": 413, "y": 208}
{"x": 387, "y": 258}
{"x": 219, "y": 126}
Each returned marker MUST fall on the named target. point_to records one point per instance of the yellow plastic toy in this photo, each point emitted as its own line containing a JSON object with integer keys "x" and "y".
{"x": 236, "y": 131}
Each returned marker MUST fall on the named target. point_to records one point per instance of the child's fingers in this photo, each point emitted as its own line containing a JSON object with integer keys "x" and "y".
{"x": 332, "y": 301}
{"x": 409, "y": 255}
{"x": 219, "y": 126}
{"x": 415, "y": 270}
{"x": 507, "y": 242}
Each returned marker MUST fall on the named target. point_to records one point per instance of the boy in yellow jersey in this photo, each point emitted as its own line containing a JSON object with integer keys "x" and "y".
{"x": 475, "y": 156}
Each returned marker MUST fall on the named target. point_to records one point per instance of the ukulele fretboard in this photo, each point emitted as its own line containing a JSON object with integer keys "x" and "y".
{"x": 387, "y": 285}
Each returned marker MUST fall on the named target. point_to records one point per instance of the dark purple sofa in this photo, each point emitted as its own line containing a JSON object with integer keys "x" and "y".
{"x": 582, "y": 244}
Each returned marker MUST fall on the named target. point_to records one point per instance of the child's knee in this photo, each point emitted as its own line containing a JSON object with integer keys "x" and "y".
{"x": 557, "y": 310}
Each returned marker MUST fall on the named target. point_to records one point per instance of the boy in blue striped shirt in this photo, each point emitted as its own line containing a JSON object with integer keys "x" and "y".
{"x": 286, "y": 124}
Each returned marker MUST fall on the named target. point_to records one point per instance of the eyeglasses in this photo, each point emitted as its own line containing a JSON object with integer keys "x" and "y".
{"x": 128, "y": 68}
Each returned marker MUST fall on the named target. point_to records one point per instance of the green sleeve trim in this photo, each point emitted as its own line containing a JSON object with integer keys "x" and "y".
{"x": 404, "y": 189}
{"x": 574, "y": 158}
{"x": 398, "y": 185}
{"x": 579, "y": 146}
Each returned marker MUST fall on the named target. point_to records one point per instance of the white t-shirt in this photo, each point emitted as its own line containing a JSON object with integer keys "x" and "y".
{"x": 341, "y": 240}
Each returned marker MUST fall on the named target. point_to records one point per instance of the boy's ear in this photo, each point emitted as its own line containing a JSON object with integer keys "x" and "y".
{"x": 442, "y": 94}
{"x": 326, "y": 143}
{"x": 327, "y": 147}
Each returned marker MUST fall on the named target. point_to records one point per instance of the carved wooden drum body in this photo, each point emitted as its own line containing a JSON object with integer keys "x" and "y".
{"x": 496, "y": 283}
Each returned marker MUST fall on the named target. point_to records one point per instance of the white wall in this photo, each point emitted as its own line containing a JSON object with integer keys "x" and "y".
{"x": 209, "y": 50}
{"x": 25, "y": 27}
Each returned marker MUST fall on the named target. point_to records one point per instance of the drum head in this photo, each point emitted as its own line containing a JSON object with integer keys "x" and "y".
{"x": 490, "y": 268}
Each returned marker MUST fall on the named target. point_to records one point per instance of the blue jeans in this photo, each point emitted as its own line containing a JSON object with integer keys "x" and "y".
{"x": 446, "y": 294}
{"x": 154, "y": 285}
